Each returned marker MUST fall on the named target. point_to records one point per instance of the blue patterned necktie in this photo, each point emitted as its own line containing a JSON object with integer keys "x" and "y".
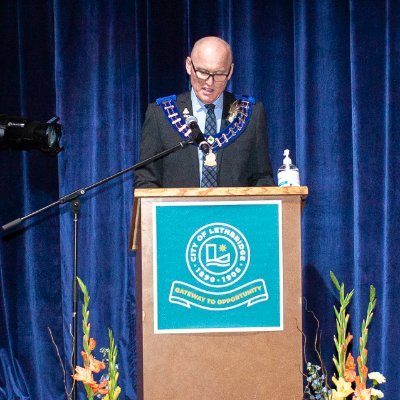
{"x": 209, "y": 174}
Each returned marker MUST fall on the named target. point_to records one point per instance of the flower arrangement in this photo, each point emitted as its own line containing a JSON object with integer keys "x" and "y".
{"x": 107, "y": 387}
{"x": 233, "y": 111}
{"x": 351, "y": 380}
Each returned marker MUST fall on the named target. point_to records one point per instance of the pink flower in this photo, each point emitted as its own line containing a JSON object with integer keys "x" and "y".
{"x": 84, "y": 375}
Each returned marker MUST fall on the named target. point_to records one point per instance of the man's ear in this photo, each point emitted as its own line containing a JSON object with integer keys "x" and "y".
{"x": 231, "y": 71}
{"x": 188, "y": 65}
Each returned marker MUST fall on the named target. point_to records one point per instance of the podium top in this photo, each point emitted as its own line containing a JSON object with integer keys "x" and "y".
{"x": 220, "y": 192}
{"x": 272, "y": 191}
{"x": 224, "y": 191}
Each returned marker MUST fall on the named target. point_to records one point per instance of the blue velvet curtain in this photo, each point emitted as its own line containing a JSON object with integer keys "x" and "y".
{"x": 328, "y": 73}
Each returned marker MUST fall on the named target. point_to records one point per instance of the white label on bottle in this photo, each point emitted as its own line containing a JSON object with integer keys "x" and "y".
{"x": 288, "y": 178}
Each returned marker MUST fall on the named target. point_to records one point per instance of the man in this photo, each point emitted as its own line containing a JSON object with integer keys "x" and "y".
{"x": 235, "y": 130}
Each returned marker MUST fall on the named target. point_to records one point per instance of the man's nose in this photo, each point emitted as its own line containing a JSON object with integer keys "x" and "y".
{"x": 210, "y": 80}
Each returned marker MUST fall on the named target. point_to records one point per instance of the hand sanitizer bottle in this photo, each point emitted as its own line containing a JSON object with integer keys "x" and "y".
{"x": 288, "y": 173}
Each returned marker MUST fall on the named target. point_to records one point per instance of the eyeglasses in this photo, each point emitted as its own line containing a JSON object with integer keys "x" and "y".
{"x": 204, "y": 75}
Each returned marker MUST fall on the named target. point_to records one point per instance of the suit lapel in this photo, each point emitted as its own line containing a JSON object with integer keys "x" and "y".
{"x": 183, "y": 101}
{"x": 190, "y": 153}
{"x": 228, "y": 100}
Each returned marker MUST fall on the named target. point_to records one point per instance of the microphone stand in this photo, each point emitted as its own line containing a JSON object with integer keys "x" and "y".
{"x": 74, "y": 199}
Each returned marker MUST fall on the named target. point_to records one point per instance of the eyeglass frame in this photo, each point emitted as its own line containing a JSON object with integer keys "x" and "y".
{"x": 210, "y": 74}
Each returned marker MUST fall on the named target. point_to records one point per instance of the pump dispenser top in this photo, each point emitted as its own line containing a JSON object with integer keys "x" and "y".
{"x": 287, "y": 160}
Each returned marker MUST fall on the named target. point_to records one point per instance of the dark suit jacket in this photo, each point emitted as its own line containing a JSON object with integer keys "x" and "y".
{"x": 245, "y": 162}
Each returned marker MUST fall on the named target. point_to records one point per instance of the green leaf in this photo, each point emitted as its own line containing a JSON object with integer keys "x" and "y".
{"x": 335, "y": 281}
{"x": 372, "y": 293}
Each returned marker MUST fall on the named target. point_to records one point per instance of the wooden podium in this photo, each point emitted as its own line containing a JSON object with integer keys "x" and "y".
{"x": 218, "y": 365}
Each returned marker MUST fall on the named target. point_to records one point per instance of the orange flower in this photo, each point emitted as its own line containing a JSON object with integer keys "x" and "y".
{"x": 349, "y": 375}
{"x": 96, "y": 365}
{"x": 364, "y": 372}
{"x": 350, "y": 371}
{"x": 359, "y": 385}
{"x": 92, "y": 344}
{"x": 100, "y": 388}
{"x": 84, "y": 375}
{"x": 350, "y": 364}
{"x": 91, "y": 363}
{"x": 362, "y": 368}
{"x": 84, "y": 356}
{"x": 348, "y": 339}
{"x": 362, "y": 394}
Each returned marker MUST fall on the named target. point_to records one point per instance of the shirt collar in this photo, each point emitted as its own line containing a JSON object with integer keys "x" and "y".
{"x": 198, "y": 105}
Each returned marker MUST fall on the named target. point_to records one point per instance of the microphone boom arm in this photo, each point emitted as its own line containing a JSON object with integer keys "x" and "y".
{"x": 80, "y": 192}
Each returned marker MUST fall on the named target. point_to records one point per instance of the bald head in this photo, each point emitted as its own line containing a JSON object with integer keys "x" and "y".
{"x": 211, "y": 46}
{"x": 210, "y": 56}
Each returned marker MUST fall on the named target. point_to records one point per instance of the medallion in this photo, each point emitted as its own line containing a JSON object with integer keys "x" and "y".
{"x": 211, "y": 159}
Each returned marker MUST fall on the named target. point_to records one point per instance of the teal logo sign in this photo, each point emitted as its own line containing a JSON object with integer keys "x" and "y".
{"x": 214, "y": 276}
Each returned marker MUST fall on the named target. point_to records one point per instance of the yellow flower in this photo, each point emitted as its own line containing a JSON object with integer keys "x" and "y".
{"x": 377, "y": 393}
{"x": 336, "y": 395}
{"x": 377, "y": 376}
{"x": 343, "y": 388}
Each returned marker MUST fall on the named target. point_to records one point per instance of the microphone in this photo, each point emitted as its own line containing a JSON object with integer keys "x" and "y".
{"x": 197, "y": 134}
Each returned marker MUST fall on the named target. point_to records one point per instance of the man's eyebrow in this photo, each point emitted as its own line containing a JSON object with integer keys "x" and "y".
{"x": 218, "y": 71}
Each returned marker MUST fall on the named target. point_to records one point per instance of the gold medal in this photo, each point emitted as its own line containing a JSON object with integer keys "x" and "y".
{"x": 210, "y": 160}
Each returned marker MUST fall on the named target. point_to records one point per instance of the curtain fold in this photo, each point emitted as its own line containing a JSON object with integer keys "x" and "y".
{"x": 328, "y": 73}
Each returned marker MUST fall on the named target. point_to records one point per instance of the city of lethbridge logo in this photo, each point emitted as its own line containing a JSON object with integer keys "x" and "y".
{"x": 218, "y": 256}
